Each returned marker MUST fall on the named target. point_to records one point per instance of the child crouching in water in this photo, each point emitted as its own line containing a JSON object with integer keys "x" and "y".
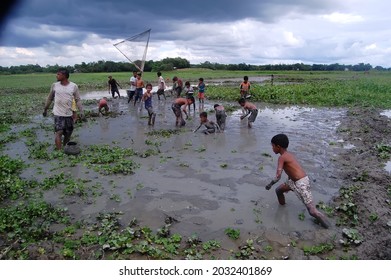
{"x": 298, "y": 180}
{"x": 211, "y": 127}
{"x": 103, "y": 107}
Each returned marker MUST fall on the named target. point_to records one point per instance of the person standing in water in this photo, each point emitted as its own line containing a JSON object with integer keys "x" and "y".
{"x": 113, "y": 87}
{"x": 63, "y": 92}
{"x": 298, "y": 181}
{"x": 147, "y": 98}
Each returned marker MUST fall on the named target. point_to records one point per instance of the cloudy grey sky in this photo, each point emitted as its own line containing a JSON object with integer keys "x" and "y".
{"x": 68, "y": 32}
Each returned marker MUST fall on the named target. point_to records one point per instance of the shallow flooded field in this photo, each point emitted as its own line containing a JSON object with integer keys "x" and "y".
{"x": 206, "y": 183}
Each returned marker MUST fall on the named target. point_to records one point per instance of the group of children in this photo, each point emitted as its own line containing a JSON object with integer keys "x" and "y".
{"x": 298, "y": 181}
{"x": 249, "y": 109}
{"x": 181, "y": 104}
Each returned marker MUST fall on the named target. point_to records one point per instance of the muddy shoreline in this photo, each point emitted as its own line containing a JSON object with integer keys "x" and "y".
{"x": 361, "y": 166}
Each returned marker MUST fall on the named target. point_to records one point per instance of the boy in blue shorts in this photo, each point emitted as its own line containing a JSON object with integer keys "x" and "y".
{"x": 147, "y": 98}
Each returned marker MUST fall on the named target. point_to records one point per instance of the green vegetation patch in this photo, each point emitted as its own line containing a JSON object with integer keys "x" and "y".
{"x": 163, "y": 132}
{"x": 30, "y": 222}
{"x": 11, "y": 186}
{"x": 318, "y": 249}
{"x": 383, "y": 151}
{"x": 107, "y": 159}
{"x": 232, "y": 233}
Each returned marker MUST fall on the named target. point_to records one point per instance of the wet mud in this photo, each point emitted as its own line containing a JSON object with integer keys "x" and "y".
{"x": 209, "y": 183}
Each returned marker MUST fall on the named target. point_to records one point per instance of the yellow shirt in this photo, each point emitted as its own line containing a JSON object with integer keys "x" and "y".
{"x": 74, "y": 107}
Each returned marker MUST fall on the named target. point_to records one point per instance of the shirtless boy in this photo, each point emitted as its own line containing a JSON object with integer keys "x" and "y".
{"x": 210, "y": 126}
{"x": 103, "y": 107}
{"x": 139, "y": 89}
{"x": 177, "y": 106}
{"x": 221, "y": 116}
{"x": 298, "y": 180}
{"x": 249, "y": 109}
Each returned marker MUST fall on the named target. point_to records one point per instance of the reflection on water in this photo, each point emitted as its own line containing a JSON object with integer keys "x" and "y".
{"x": 98, "y": 94}
{"x": 349, "y": 146}
{"x": 388, "y": 167}
{"x": 386, "y": 113}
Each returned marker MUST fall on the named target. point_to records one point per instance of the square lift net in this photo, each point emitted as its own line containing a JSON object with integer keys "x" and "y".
{"x": 135, "y": 49}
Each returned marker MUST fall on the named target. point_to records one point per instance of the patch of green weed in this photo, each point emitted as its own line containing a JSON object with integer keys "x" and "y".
{"x": 232, "y": 233}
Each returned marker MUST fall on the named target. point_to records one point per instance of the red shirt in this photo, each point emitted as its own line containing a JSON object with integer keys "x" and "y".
{"x": 102, "y": 102}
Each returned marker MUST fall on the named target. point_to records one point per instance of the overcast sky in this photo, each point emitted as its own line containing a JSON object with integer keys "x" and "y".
{"x": 68, "y": 32}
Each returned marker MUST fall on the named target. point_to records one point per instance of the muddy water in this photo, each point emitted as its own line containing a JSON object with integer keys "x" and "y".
{"x": 206, "y": 182}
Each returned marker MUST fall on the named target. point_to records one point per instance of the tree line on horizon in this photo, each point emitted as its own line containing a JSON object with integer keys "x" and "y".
{"x": 169, "y": 64}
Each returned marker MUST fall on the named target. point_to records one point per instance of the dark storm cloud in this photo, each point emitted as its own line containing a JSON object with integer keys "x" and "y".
{"x": 6, "y": 11}
{"x": 122, "y": 18}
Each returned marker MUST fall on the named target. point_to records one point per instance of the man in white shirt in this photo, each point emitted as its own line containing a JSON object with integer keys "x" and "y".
{"x": 161, "y": 86}
{"x": 63, "y": 92}
{"x": 132, "y": 89}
